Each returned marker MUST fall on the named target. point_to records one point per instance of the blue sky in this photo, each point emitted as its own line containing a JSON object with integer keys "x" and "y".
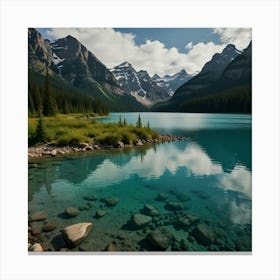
{"x": 157, "y": 50}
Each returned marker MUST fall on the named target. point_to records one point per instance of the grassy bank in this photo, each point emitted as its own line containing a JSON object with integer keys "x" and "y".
{"x": 64, "y": 130}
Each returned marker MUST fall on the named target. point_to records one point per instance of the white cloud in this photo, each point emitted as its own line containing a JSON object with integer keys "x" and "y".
{"x": 240, "y": 37}
{"x": 113, "y": 47}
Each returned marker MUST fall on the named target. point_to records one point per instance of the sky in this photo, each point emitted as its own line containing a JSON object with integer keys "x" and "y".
{"x": 162, "y": 51}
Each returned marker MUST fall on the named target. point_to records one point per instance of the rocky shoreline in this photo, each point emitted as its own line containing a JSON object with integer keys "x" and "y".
{"x": 51, "y": 150}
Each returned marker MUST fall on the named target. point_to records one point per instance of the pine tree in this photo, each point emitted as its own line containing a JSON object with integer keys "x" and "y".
{"x": 50, "y": 107}
{"x": 124, "y": 122}
{"x": 139, "y": 122}
{"x": 40, "y": 133}
{"x": 120, "y": 120}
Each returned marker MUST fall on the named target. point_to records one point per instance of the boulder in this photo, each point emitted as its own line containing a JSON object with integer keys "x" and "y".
{"x": 75, "y": 234}
{"x": 72, "y": 212}
{"x": 174, "y": 206}
{"x": 150, "y": 210}
{"x": 100, "y": 213}
{"x": 39, "y": 216}
{"x": 139, "y": 220}
{"x": 112, "y": 201}
{"x": 49, "y": 226}
{"x": 36, "y": 247}
{"x": 160, "y": 238}
{"x": 161, "y": 197}
{"x": 203, "y": 234}
{"x": 112, "y": 247}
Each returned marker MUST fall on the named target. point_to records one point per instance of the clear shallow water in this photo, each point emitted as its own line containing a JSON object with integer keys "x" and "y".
{"x": 211, "y": 170}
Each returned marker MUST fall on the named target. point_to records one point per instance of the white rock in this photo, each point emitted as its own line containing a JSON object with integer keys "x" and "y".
{"x": 36, "y": 247}
{"x": 76, "y": 233}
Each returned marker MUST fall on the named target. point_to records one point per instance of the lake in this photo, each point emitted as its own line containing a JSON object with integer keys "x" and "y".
{"x": 199, "y": 190}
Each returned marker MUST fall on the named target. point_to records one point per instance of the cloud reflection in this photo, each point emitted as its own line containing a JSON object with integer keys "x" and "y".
{"x": 169, "y": 158}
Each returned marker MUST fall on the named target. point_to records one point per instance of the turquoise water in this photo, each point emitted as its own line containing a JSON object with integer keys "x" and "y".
{"x": 209, "y": 174}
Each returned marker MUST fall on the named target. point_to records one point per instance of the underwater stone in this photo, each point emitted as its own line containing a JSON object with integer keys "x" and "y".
{"x": 112, "y": 201}
{"x": 39, "y": 216}
{"x": 49, "y": 226}
{"x": 90, "y": 197}
{"x": 139, "y": 220}
{"x": 36, "y": 230}
{"x": 161, "y": 197}
{"x": 160, "y": 238}
{"x": 36, "y": 247}
{"x": 150, "y": 210}
{"x": 174, "y": 206}
{"x": 112, "y": 247}
{"x": 72, "y": 212}
{"x": 100, "y": 213}
{"x": 203, "y": 234}
{"x": 76, "y": 233}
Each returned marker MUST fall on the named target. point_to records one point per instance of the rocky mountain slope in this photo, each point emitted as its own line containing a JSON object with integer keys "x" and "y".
{"x": 226, "y": 70}
{"x": 172, "y": 82}
{"x": 139, "y": 85}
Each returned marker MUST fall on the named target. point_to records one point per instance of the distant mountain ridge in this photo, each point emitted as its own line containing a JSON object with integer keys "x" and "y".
{"x": 225, "y": 71}
{"x": 139, "y": 84}
{"x": 172, "y": 82}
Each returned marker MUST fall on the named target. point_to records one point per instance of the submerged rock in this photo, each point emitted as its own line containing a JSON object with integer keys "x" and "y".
{"x": 187, "y": 220}
{"x": 72, "y": 212}
{"x": 90, "y": 197}
{"x": 182, "y": 197}
{"x": 139, "y": 220}
{"x": 160, "y": 238}
{"x": 49, "y": 226}
{"x": 161, "y": 197}
{"x": 76, "y": 233}
{"x": 203, "y": 234}
{"x": 174, "y": 206}
{"x": 112, "y": 247}
{"x": 36, "y": 230}
{"x": 39, "y": 216}
{"x": 150, "y": 210}
{"x": 100, "y": 213}
{"x": 112, "y": 201}
{"x": 36, "y": 247}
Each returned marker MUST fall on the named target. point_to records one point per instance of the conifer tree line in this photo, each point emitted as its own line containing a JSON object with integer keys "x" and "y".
{"x": 53, "y": 100}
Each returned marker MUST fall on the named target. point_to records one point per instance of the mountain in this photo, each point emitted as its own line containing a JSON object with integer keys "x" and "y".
{"x": 74, "y": 62}
{"x": 139, "y": 85}
{"x": 224, "y": 72}
{"x": 39, "y": 51}
{"x": 172, "y": 82}
{"x": 71, "y": 65}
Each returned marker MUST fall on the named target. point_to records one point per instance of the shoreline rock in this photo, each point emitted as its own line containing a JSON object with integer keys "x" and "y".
{"x": 51, "y": 150}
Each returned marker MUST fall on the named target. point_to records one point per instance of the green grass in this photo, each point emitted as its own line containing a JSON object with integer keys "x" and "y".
{"x": 72, "y": 129}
